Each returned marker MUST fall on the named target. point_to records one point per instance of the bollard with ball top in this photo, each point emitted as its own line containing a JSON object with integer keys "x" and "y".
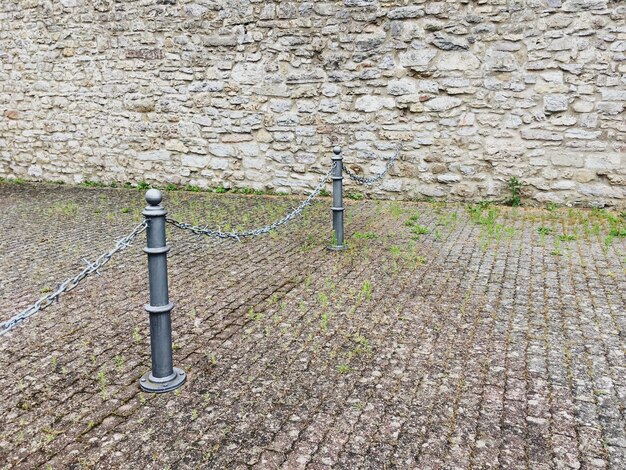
{"x": 163, "y": 377}
{"x": 337, "y": 207}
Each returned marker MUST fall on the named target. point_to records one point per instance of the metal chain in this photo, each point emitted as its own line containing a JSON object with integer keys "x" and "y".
{"x": 70, "y": 283}
{"x": 217, "y": 233}
{"x": 373, "y": 179}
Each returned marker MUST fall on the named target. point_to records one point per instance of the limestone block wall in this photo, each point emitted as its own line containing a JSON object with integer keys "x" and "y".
{"x": 255, "y": 92}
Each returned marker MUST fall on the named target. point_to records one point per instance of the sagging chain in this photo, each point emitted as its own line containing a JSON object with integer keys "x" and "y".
{"x": 373, "y": 179}
{"x": 71, "y": 283}
{"x": 217, "y": 233}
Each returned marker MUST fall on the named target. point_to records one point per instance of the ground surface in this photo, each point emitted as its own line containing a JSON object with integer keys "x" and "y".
{"x": 495, "y": 338}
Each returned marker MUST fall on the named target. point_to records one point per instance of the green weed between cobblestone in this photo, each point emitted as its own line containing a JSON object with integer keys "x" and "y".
{"x": 102, "y": 381}
{"x": 447, "y": 219}
{"x": 343, "y": 368}
{"x": 322, "y": 298}
{"x": 396, "y": 210}
{"x": 13, "y": 180}
{"x": 364, "y": 235}
{"x": 119, "y": 362}
{"x": 366, "y": 291}
{"x": 355, "y": 196}
{"x": 50, "y": 434}
{"x": 557, "y": 248}
{"x": 62, "y": 208}
{"x": 324, "y": 321}
{"x": 362, "y": 347}
{"x": 566, "y": 237}
{"x": 416, "y": 228}
{"x": 254, "y": 316}
{"x": 93, "y": 184}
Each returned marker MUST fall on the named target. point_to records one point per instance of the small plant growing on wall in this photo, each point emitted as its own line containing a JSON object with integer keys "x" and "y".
{"x": 515, "y": 187}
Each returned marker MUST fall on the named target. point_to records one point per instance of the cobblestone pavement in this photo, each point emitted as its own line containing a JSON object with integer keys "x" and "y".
{"x": 445, "y": 337}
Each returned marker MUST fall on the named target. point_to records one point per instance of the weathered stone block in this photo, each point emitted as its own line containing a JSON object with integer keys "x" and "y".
{"x": 370, "y": 104}
{"x": 176, "y": 146}
{"x": 221, "y": 150}
{"x": 618, "y": 46}
{"x": 154, "y": 155}
{"x": 195, "y": 161}
{"x": 571, "y": 160}
{"x": 287, "y": 10}
{"x": 369, "y": 41}
{"x": 208, "y": 85}
{"x": 404, "y": 86}
{"x": 513, "y": 122}
{"x": 431, "y": 191}
{"x": 582, "y": 134}
{"x": 582, "y": 5}
{"x": 217, "y": 41}
{"x": 204, "y": 121}
{"x": 405, "y": 13}
{"x": 563, "y": 185}
{"x": 360, "y": 3}
{"x": 280, "y": 106}
{"x": 255, "y": 163}
{"x": 602, "y": 190}
{"x": 581, "y": 106}
{"x": 608, "y": 107}
{"x": 219, "y": 164}
{"x": 584, "y": 176}
{"x": 330, "y": 106}
{"x": 437, "y": 168}
{"x": 554, "y": 103}
{"x": 11, "y": 114}
{"x": 448, "y": 178}
{"x": 562, "y": 44}
{"x": 613, "y": 94}
{"x": 467, "y": 119}
{"x": 603, "y": 161}
{"x": 417, "y": 59}
{"x": 392, "y": 185}
{"x": 448, "y": 42}
{"x": 458, "y": 61}
{"x": 500, "y": 61}
{"x": 35, "y": 171}
{"x": 248, "y": 73}
{"x": 563, "y": 120}
{"x": 540, "y": 134}
{"x": 442, "y": 103}
{"x": 268, "y": 12}
{"x": 144, "y": 105}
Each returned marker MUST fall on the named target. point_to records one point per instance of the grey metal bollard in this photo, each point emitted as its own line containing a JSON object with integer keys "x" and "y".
{"x": 337, "y": 177}
{"x": 163, "y": 377}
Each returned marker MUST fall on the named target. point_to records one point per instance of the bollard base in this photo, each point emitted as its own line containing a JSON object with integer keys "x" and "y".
{"x": 337, "y": 247}
{"x": 151, "y": 384}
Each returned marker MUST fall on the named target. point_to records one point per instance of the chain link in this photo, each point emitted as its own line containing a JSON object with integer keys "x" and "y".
{"x": 373, "y": 179}
{"x": 217, "y": 233}
{"x": 70, "y": 283}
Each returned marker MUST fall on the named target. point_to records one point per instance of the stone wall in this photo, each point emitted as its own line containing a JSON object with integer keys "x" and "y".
{"x": 255, "y": 92}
